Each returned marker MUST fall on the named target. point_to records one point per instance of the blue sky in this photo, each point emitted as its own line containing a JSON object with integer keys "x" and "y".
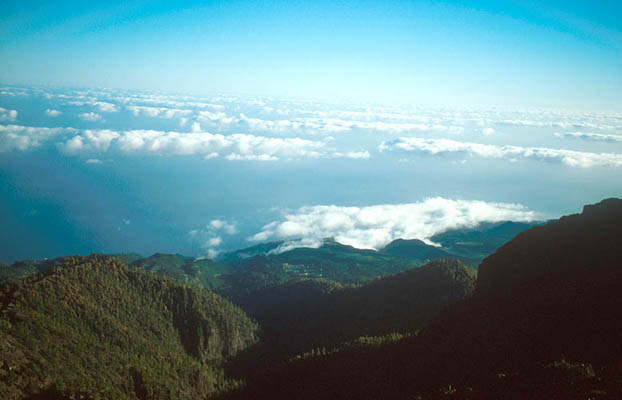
{"x": 208, "y": 126}
{"x": 561, "y": 53}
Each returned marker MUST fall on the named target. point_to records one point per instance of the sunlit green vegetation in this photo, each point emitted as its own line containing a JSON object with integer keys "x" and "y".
{"x": 94, "y": 326}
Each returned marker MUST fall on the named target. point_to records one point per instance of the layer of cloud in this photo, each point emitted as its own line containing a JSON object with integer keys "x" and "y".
{"x": 312, "y": 125}
{"x": 161, "y": 112}
{"x": 90, "y": 116}
{"x": 7, "y": 115}
{"x": 571, "y": 158}
{"x": 102, "y": 106}
{"x": 488, "y": 131}
{"x": 52, "y": 113}
{"x": 363, "y": 154}
{"x": 373, "y": 227}
{"x": 24, "y": 138}
{"x": 598, "y": 137}
{"x": 89, "y": 140}
{"x": 234, "y": 147}
{"x": 222, "y": 225}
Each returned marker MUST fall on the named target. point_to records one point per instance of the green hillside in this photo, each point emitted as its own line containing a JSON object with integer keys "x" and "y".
{"x": 334, "y": 261}
{"x": 204, "y": 272}
{"x": 127, "y": 258}
{"x": 92, "y": 327}
{"x": 241, "y": 255}
{"x": 25, "y": 268}
{"x": 417, "y": 250}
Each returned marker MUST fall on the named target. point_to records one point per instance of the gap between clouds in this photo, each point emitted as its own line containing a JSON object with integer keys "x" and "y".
{"x": 373, "y": 227}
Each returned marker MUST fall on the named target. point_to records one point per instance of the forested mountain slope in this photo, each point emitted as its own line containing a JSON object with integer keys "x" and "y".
{"x": 93, "y": 327}
{"x": 300, "y": 315}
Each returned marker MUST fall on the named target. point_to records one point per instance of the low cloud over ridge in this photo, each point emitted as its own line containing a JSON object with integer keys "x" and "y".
{"x": 373, "y": 227}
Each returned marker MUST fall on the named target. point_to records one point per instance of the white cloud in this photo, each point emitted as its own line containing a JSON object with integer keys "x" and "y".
{"x": 325, "y": 125}
{"x": 7, "y": 115}
{"x": 564, "y": 122}
{"x": 218, "y": 224}
{"x": 250, "y": 157}
{"x": 217, "y": 117}
{"x": 571, "y": 158}
{"x": 160, "y": 112}
{"x": 93, "y": 161}
{"x": 83, "y": 100}
{"x": 601, "y": 137}
{"x": 210, "y": 237}
{"x": 196, "y": 127}
{"x": 23, "y": 138}
{"x": 106, "y": 107}
{"x": 52, "y": 113}
{"x": 363, "y": 154}
{"x": 488, "y": 131}
{"x": 214, "y": 242}
{"x": 90, "y": 116}
{"x": 294, "y": 244}
{"x": 237, "y": 146}
{"x": 373, "y": 227}
{"x": 213, "y": 253}
{"x": 90, "y": 140}
{"x": 14, "y": 92}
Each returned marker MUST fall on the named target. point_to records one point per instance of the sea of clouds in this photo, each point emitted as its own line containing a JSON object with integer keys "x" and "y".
{"x": 99, "y": 126}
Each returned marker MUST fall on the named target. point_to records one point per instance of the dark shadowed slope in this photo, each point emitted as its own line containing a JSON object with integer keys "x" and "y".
{"x": 545, "y": 323}
{"x": 298, "y": 316}
{"x": 95, "y": 327}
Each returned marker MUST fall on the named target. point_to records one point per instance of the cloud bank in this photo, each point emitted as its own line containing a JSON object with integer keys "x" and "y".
{"x": 598, "y": 137}
{"x": 235, "y": 147}
{"x": 90, "y": 116}
{"x": 7, "y": 115}
{"x": 161, "y": 112}
{"x": 441, "y": 147}
{"x": 52, "y": 113}
{"x": 24, "y": 138}
{"x": 373, "y": 227}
